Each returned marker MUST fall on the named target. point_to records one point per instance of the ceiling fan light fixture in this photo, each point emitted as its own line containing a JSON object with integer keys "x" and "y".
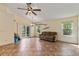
{"x": 29, "y": 12}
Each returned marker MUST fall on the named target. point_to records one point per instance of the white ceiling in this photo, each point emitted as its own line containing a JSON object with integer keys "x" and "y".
{"x": 49, "y": 10}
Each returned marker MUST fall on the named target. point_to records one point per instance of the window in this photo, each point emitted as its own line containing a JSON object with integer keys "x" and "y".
{"x": 67, "y": 28}
{"x": 38, "y": 29}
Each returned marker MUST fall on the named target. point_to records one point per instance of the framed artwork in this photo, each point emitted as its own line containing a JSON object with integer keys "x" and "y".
{"x": 67, "y": 28}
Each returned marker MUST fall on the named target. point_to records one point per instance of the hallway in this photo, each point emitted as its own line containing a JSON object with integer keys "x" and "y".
{"x": 36, "y": 47}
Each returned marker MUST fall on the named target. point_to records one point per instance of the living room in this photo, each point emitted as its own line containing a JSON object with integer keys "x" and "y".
{"x": 58, "y": 22}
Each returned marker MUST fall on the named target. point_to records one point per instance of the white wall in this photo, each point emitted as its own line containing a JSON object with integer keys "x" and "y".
{"x": 8, "y": 26}
{"x": 6, "y": 23}
{"x": 55, "y": 26}
{"x": 78, "y": 30}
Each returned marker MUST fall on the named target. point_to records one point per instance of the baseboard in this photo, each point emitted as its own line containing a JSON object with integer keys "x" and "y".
{"x": 6, "y": 44}
{"x": 66, "y": 42}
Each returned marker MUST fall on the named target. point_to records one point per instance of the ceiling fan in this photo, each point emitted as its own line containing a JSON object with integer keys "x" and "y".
{"x": 30, "y": 9}
{"x": 38, "y": 23}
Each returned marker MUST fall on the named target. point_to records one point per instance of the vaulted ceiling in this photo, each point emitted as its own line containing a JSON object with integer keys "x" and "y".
{"x": 49, "y": 11}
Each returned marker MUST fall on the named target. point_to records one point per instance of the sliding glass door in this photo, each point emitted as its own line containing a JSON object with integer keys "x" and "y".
{"x": 23, "y": 31}
{"x": 28, "y": 31}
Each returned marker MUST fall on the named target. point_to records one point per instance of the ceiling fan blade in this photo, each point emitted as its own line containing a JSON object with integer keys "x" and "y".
{"x": 36, "y": 9}
{"x": 26, "y": 13}
{"x": 34, "y": 13}
{"x": 22, "y": 8}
